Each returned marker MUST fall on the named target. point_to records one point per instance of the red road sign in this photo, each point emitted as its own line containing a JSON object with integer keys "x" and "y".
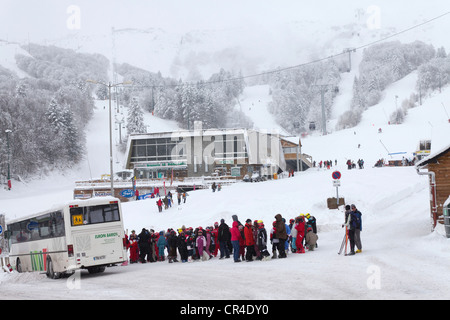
{"x": 336, "y": 175}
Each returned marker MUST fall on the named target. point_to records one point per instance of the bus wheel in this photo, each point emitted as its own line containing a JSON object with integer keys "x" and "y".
{"x": 50, "y": 272}
{"x": 93, "y": 270}
{"x": 19, "y": 266}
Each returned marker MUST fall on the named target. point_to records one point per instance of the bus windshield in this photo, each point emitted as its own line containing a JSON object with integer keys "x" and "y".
{"x": 94, "y": 214}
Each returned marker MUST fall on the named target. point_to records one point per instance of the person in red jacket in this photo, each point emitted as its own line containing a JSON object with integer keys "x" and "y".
{"x": 159, "y": 204}
{"x": 300, "y": 227}
{"x": 215, "y": 235}
{"x": 249, "y": 240}
{"x": 134, "y": 248}
{"x": 235, "y": 237}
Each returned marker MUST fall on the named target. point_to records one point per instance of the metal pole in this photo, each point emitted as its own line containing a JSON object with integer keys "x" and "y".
{"x": 9, "y": 158}
{"x": 110, "y": 143}
{"x": 337, "y": 196}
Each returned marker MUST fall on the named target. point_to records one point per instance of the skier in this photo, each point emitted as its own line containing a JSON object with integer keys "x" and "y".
{"x": 356, "y": 226}
{"x": 351, "y": 232}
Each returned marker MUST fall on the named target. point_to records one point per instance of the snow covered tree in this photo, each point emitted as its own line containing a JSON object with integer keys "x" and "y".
{"x": 135, "y": 119}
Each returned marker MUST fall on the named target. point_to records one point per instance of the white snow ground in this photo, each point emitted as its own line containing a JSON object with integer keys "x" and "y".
{"x": 401, "y": 258}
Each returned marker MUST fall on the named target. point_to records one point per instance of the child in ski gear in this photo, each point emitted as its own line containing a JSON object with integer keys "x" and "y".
{"x": 223, "y": 236}
{"x": 274, "y": 241}
{"x": 215, "y": 237}
{"x": 201, "y": 243}
{"x": 311, "y": 239}
{"x": 255, "y": 240}
{"x": 134, "y": 247}
{"x": 241, "y": 242}
{"x": 172, "y": 242}
{"x": 190, "y": 245}
{"x": 208, "y": 238}
{"x": 293, "y": 236}
{"x": 300, "y": 227}
{"x": 161, "y": 243}
{"x": 182, "y": 246}
{"x": 262, "y": 241}
{"x": 280, "y": 234}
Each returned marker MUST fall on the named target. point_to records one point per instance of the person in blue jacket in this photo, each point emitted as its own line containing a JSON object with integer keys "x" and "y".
{"x": 161, "y": 245}
{"x": 356, "y": 227}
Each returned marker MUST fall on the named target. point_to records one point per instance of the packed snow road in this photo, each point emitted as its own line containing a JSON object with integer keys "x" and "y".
{"x": 401, "y": 259}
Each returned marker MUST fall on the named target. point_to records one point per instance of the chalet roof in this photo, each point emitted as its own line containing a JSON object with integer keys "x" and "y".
{"x": 432, "y": 157}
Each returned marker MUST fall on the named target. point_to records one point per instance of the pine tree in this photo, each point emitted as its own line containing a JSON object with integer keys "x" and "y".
{"x": 135, "y": 119}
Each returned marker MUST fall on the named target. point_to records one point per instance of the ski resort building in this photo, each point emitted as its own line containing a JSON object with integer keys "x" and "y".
{"x": 438, "y": 165}
{"x": 212, "y": 152}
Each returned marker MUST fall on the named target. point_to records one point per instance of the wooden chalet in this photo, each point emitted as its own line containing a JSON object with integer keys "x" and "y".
{"x": 438, "y": 170}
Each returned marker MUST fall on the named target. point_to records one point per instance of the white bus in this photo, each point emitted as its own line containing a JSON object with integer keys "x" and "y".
{"x": 81, "y": 234}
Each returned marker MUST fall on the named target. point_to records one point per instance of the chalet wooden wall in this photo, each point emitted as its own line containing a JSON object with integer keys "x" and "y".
{"x": 441, "y": 168}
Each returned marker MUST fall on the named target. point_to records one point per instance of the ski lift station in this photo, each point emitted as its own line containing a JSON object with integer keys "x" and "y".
{"x": 212, "y": 152}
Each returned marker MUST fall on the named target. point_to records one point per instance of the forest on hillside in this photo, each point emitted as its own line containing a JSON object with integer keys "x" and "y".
{"x": 45, "y": 114}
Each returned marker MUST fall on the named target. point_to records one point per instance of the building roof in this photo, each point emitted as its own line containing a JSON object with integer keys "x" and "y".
{"x": 433, "y": 156}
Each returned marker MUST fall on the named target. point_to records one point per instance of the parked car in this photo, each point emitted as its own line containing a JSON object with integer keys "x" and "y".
{"x": 256, "y": 177}
{"x": 246, "y": 178}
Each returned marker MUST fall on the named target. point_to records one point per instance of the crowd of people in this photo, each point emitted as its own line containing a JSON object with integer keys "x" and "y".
{"x": 167, "y": 200}
{"x": 247, "y": 242}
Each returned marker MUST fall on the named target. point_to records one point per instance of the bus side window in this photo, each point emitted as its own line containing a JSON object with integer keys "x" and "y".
{"x": 58, "y": 224}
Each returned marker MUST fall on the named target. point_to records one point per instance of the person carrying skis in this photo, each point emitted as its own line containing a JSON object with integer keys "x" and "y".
{"x": 356, "y": 225}
{"x": 353, "y": 222}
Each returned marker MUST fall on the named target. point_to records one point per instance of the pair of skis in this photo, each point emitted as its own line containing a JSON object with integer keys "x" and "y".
{"x": 344, "y": 243}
